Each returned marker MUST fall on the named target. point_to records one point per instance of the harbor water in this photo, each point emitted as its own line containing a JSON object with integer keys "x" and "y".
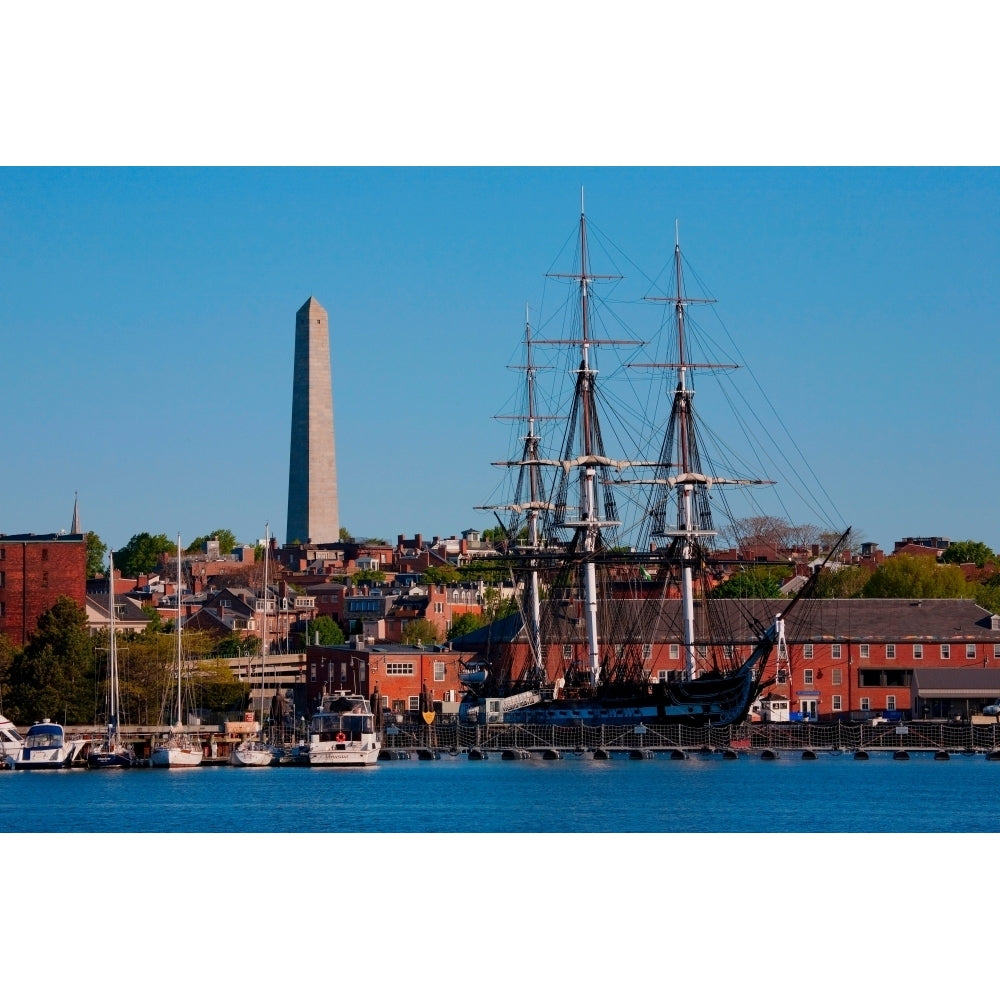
{"x": 705, "y": 793}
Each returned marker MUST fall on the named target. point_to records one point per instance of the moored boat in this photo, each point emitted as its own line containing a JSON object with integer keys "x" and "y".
{"x": 342, "y": 732}
{"x": 612, "y": 558}
{"x": 11, "y": 742}
{"x": 180, "y": 748}
{"x": 47, "y": 748}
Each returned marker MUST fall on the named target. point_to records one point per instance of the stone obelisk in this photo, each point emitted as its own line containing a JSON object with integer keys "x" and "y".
{"x": 313, "y": 516}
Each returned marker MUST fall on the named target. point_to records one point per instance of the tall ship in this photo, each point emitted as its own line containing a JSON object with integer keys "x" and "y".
{"x": 609, "y": 544}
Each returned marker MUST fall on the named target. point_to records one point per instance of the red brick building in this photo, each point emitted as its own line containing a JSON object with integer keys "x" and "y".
{"x": 35, "y": 571}
{"x": 392, "y": 674}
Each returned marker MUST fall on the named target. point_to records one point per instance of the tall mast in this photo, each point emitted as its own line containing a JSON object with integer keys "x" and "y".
{"x": 263, "y": 645}
{"x": 112, "y": 655}
{"x": 680, "y": 452}
{"x": 588, "y": 458}
{"x": 180, "y": 615}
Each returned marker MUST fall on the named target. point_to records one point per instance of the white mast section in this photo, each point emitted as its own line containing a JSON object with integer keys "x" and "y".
{"x": 180, "y": 615}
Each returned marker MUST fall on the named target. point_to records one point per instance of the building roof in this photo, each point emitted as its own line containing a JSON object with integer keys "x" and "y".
{"x": 956, "y": 682}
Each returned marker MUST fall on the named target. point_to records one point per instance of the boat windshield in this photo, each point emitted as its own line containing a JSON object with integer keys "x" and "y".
{"x": 348, "y": 723}
{"x": 44, "y": 736}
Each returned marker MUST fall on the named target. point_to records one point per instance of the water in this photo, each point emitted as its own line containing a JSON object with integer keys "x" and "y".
{"x": 703, "y": 794}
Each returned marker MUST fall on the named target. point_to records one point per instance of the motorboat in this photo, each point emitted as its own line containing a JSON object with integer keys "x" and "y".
{"x": 11, "y": 742}
{"x": 46, "y": 748}
{"x": 342, "y": 732}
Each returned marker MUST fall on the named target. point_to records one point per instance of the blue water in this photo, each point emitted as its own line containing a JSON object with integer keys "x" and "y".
{"x": 703, "y": 794}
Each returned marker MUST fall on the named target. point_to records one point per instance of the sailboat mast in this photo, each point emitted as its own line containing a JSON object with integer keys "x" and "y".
{"x": 180, "y": 615}
{"x": 263, "y": 645}
{"x": 534, "y": 496}
{"x": 112, "y": 654}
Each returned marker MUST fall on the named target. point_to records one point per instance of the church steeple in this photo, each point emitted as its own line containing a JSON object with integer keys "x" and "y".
{"x": 75, "y": 528}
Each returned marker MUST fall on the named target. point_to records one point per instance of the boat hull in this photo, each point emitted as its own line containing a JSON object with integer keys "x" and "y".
{"x": 340, "y": 755}
{"x": 98, "y": 759}
{"x": 176, "y": 757}
{"x": 242, "y": 757}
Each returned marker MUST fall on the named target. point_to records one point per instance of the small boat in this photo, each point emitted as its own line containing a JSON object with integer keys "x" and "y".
{"x": 112, "y": 751}
{"x": 258, "y": 752}
{"x": 342, "y": 733}
{"x": 180, "y": 749}
{"x": 46, "y": 748}
{"x": 11, "y": 742}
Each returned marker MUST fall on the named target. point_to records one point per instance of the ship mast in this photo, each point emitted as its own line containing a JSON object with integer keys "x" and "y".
{"x": 680, "y": 451}
{"x": 584, "y": 432}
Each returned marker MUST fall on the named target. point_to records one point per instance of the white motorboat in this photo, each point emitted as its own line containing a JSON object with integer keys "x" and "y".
{"x": 11, "y": 742}
{"x": 342, "y": 732}
{"x": 46, "y": 748}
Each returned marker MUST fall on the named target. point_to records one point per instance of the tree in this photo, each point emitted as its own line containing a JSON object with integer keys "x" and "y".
{"x": 95, "y": 555}
{"x": 216, "y": 688}
{"x": 142, "y": 553}
{"x": 7, "y": 651}
{"x": 368, "y": 576}
{"x": 420, "y": 632}
{"x": 848, "y": 581}
{"x": 344, "y": 535}
{"x": 464, "y": 623}
{"x": 969, "y": 552}
{"x": 758, "y": 582}
{"x": 54, "y": 676}
{"x": 905, "y": 575}
{"x": 238, "y": 646}
{"x": 440, "y": 575}
{"x": 225, "y": 538}
{"x": 327, "y": 631}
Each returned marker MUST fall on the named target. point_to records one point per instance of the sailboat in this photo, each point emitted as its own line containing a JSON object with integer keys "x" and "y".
{"x": 258, "y": 752}
{"x": 112, "y": 751}
{"x": 179, "y": 749}
{"x": 615, "y": 622}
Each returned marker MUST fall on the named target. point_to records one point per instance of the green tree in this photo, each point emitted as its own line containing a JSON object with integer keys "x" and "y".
{"x": 368, "y": 576}
{"x": 758, "y": 582}
{"x": 7, "y": 652}
{"x": 905, "y": 575}
{"x": 849, "y": 581}
{"x": 420, "y": 632}
{"x": 343, "y": 534}
{"x": 216, "y": 690}
{"x": 440, "y": 575}
{"x": 327, "y": 631}
{"x": 235, "y": 646}
{"x": 54, "y": 676}
{"x": 969, "y": 552}
{"x": 142, "y": 553}
{"x": 95, "y": 555}
{"x": 226, "y": 539}
{"x": 464, "y": 623}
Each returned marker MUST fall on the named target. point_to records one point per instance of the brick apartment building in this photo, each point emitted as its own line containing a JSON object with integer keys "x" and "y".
{"x": 35, "y": 571}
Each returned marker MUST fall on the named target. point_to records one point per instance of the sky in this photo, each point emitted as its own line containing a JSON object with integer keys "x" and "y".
{"x": 148, "y": 320}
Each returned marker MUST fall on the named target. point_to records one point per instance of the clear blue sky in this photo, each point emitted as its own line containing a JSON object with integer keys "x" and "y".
{"x": 147, "y": 319}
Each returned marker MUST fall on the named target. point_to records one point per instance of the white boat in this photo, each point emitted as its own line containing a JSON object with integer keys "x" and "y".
{"x": 112, "y": 751}
{"x": 258, "y": 752}
{"x": 46, "y": 748}
{"x": 179, "y": 749}
{"x": 342, "y": 733}
{"x": 11, "y": 742}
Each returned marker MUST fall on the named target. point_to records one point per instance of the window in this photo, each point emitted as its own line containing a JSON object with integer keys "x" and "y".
{"x": 438, "y": 671}
{"x": 647, "y": 651}
{"x": 312, "y": 673}
{"x": 3, "y": 609}
{"x": 404, "y": 669}
{"x": 837, "y": 677}
{"x": 662, "y": 676}
{"x": 863, "y": 650}
{"x": 703, "y": 652}
{"x": 970, "y": 650}
{"x": 438, "y": 608}
{"x": 414, "y": 703}
{"x": 918, "y": 651}
{"x": 945, "y": 651}
{"x": 866, "y": 704}
{"x": 835, "y": 651}
{"x": 890, "y": 703}
{"x": 3, "y": 579}
{"x": 836, "y": 703}
{"x": 808, "y": 650}
{"x": 675, "y": 651}
{"x": 729, "y": 651}
{"x": 807, "y": 678}
{"x": 890, "y": 651}
{"x": 45, "y": 577}
{"x": 567, "y": 652}
{"x": 996, "y": 651}
{"x": 45, "y": 555}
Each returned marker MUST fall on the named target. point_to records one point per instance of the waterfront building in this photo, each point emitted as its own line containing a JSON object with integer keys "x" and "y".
{"x": 313, "y": 514}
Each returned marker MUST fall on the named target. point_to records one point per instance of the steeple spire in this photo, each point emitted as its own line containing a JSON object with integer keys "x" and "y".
{"x": 75, "y": 528}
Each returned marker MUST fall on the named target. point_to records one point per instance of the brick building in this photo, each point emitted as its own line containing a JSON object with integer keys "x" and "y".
{"x": 35, "y": 571}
